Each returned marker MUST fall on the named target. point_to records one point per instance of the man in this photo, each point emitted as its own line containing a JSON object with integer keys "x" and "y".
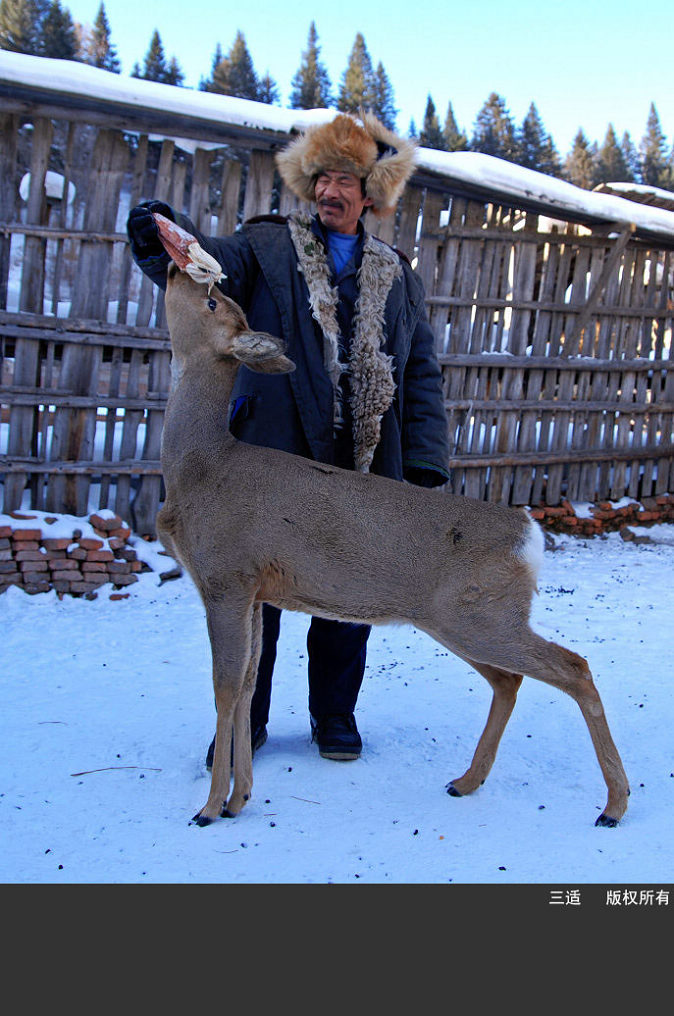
{"x": 366, "y": 393}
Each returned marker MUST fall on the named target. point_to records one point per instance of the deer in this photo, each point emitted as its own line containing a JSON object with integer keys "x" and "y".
{"x": 254, "y": 525}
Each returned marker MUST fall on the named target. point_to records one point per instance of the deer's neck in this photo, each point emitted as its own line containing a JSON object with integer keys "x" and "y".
{"x": 198, "y": 405}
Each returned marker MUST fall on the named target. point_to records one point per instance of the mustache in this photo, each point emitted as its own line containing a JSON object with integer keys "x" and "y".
{"x": 330, "y": 203}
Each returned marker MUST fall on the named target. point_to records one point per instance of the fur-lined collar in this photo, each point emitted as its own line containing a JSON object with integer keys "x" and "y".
{"x": 370, "y": 368}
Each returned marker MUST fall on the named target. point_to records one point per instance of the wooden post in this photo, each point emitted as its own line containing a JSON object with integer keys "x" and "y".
{"x": 23, "y": 420}
{"x": 74, "y": 430}
{"x": 259, "y": 184}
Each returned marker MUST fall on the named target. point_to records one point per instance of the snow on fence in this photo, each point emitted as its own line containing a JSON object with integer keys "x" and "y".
{"x": 555, "y": 337}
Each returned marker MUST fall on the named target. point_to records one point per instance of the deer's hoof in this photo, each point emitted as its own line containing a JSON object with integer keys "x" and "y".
{"x": 201, "y": 820}
{"x": 227, "y": 814}
{"x": 452, "y": 791}
{"x": 607, "y": 821}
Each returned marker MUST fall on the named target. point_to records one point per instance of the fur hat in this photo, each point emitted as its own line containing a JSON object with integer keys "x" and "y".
{"x": 366, "y": 148}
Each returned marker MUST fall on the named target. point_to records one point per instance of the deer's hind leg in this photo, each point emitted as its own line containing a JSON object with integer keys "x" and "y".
{"x": 522, "y": 651}
{"x": 569, "y": 672}
{"x": 234, "y": 632}
{"x": 504, "y": 687}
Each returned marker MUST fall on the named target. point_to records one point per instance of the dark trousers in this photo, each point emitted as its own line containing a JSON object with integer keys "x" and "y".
{"x": 337, "y": 652}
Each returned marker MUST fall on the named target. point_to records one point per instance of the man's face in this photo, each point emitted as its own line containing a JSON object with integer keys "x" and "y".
{"x": 340, "y": 201}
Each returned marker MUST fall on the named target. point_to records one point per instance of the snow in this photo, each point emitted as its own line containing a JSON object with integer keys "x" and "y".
{"x": 76, "y": 79}
{"x": 108, "y": 711}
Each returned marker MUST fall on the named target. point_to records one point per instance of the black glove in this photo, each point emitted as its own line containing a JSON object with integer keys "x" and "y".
{"x": 142, "y": 229}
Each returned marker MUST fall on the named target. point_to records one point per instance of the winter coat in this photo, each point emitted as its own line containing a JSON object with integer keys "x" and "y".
{"x": 295, "y": 412}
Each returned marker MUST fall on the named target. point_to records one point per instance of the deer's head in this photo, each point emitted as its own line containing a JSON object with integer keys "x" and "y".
{"x": 201, "y": 318}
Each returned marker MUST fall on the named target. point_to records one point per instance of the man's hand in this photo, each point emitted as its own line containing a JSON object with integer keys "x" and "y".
{"x": 142, "y": 229}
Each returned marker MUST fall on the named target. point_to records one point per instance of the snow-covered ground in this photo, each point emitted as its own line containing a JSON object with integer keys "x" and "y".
{"x": 108, "y": 710}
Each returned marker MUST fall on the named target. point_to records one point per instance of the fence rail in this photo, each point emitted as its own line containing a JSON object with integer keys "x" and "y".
{"x": 555, "y": 340}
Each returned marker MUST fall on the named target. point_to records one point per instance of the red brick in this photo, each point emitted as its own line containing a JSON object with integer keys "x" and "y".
{"x": 56, "y": 543}
{"x": 100, "y": 555}
{"x": 29, "y": 555}
{"x": 55, "y": 555}
{"x": 126, "y": 554}
{"x": 26, "y": 545}
{"x": 5, "y": 532}
{"x": 35, "y": 579}
{"x": 6, "y": 555}
{"x": 27, "y": 534}
{"x": 33, "y": 566}
{"x": 78, "y": 554}
{"x": 85, "y": 587}
{"x": 64, "y": 576}
{"x": 89, "y": 543}
{"x": 119, "y": 567}
{"x": 119, "y": 596}
{"x": 8, "y": 567}
{"x": 64, "y": 564}
{"x": 4, "y": 543}
{"x": 33, "y": 588}
{"x": 107, "y": 525}
{"x": 123, "y": 533}
{"x": 61, "y": 585}
{"x": 94, "y": 566}
{"x": 123, "y": 580}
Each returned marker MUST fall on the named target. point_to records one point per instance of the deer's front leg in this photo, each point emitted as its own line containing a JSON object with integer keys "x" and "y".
{"x": 230, "y": 629}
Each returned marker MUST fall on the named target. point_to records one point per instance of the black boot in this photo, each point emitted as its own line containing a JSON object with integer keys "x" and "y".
{"x": 337, "y": 737}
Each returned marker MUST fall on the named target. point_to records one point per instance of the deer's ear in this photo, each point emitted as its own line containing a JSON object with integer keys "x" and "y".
{"x": 262, "y": 353}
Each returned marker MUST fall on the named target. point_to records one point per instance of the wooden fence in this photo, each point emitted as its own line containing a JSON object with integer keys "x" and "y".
{"x": 555, "y": 344}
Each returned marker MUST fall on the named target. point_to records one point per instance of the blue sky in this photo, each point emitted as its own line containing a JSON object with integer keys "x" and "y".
{"x": 585, "y": 64}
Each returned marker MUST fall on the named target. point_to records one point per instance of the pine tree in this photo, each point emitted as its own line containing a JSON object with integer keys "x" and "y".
{"x": 58, "y": 38}
{"x": 311, "y": 85}
{"x": 383, "y": 105}
{"x": 235, "y": 73}
{"x": 155, "y": 66}
{"x": 535, "y": 148}
{"x": 455, "y": 139}
{"x": 631, "y": 157}
{"x": 610, "y": 164}
{"x": 96, "y": 49}
{"x": 412, "y": 130}
{"x": 267, "y": 91}
{"x": 17, "y": 26}
{"x": 579, "y": 166}
{"x": 217, "y": 59}
{"x": 174, "y": 75}
{"x": 431, "y": 135}
{"x": 656, "y": 168}
{"x": 357, "y": 87}
{"x": 494, "y": 131}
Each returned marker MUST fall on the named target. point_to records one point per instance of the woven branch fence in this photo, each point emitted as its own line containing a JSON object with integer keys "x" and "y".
{"x": 555, "y": 340}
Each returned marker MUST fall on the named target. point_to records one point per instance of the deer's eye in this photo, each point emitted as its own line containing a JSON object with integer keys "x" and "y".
{"x": 212, "y": 304}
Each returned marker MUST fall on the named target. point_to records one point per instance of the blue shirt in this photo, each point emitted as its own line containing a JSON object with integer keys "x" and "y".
{"x": 342, "y": 246}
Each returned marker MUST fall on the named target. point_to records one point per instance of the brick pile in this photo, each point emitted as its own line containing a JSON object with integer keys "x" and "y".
{"x": 606, "y": 516}
{"x": 79, "y": 565}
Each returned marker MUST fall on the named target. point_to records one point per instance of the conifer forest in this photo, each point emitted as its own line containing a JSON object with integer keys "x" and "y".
{"x": 46, "y": 28}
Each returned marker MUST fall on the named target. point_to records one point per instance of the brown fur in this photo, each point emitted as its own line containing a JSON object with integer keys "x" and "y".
{"x": 254, "y": 525}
